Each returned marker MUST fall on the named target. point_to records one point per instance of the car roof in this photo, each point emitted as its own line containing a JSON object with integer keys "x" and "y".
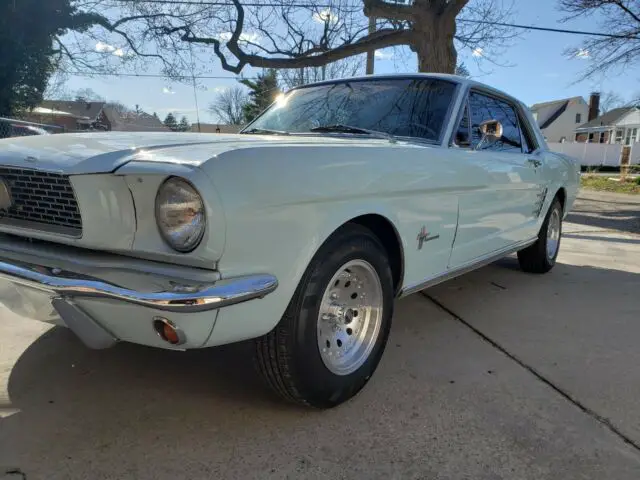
{"x": 463, "y": 81}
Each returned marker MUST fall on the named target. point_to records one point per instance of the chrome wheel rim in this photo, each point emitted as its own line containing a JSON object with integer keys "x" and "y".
{"x": 553, "y": 234}
{"x": 350, "y": 317}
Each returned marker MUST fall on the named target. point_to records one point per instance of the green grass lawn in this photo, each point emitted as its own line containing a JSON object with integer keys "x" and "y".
{"x": 604, "y": 184}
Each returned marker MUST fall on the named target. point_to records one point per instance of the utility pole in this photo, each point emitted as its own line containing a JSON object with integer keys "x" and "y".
{"x": 371, "y": 53}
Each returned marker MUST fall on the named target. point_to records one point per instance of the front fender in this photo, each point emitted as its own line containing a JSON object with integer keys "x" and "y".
{"x": 281, "y": 205}
{"x": 281, "y": 243}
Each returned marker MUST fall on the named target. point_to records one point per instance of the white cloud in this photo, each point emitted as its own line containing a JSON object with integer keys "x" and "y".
{"x": 325, "y": 16}
{"x": 244, "y": 37}
{"x": 167, "y": 90}
{"x": 382, "y": 55}
{"x": 583, "y": 54}
{"x": 102, "y": 47}
{"x": 478, "y": 52}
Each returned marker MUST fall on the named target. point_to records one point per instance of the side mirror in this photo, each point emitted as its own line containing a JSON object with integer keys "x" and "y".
{"x": 491, "y": 129}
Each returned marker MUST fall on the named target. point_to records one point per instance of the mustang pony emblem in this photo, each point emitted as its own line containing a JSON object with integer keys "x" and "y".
{"x": 424, "y": 236}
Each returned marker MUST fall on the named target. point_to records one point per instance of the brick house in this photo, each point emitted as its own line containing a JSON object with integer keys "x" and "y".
{"x": 117, "y": 120}
{"x": 71, "y": 115}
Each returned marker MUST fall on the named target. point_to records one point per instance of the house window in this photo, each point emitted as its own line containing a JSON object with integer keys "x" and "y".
{"x": 631, "y": 136}
{"x": 591, "y": 135}
{"x": 578, "y": 118}
{"x": 619, "y": 135}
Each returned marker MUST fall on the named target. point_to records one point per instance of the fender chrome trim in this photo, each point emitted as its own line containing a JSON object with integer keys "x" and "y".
{"x": 183, "y": 298}
{"x": 466, "y": 268}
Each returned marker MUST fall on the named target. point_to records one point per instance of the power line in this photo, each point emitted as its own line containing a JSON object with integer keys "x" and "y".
{"x": 224, "y": 3}
{"x": 244, "y": 4}
{"x": 153, "y": 75}
{"x": 549, "y": 29}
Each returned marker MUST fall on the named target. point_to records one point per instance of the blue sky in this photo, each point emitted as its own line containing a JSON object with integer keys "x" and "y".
{"x": 538, "y": 71}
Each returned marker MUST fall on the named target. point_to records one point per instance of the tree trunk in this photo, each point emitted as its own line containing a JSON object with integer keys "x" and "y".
{"x": 434, "y": 44}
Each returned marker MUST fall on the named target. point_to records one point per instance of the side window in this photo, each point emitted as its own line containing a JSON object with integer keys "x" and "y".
{"x": 463, "y": 134}
{"x": 482, "y": 108}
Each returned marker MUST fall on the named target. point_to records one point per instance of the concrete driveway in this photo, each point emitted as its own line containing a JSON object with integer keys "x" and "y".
{"x": 496, "y": 375}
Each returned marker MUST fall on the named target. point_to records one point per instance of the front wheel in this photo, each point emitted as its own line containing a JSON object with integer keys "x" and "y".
{"x": 332, "y": 336}
{"x": 541, "y": 256}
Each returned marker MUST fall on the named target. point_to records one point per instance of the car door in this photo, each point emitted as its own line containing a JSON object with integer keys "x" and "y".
{"x": 501, "y": 192}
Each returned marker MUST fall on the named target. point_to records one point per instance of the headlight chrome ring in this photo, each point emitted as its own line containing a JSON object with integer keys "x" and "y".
{"x": 180, "y": 214}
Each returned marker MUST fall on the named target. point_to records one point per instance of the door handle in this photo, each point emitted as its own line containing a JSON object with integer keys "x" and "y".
{"x": 534, "y": 162}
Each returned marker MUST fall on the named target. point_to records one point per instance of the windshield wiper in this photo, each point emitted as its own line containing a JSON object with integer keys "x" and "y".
{"x": 340, "y": 128}
{"x": 264, "y": 131}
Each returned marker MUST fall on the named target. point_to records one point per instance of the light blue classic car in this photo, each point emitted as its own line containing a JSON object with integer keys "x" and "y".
{"x": 299, "y": 232}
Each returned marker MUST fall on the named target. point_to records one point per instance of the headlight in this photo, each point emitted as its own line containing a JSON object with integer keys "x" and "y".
{"x": 180, "y": 214}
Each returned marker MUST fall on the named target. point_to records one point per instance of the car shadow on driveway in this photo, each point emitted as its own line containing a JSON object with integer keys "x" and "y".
{"x": 608, "y": 214}
{"x": 442, "y": 401}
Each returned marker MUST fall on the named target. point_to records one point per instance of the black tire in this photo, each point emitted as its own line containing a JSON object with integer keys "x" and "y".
{"x": 289, "y": 357}
{"x": 536, "y": 258}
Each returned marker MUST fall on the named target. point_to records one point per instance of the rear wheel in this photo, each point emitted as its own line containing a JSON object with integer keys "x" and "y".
{"x": 332, "y": 336}
{"x": 541, "y": 256}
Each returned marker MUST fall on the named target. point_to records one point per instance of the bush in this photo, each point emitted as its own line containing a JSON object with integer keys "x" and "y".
{"x": 637, "y": 180}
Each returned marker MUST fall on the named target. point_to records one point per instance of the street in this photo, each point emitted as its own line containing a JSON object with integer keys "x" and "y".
{"x": 495, "y": 375}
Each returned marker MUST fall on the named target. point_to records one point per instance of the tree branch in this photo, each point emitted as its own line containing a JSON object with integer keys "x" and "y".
{"x": 382, "y": 9}
{"x": 626, "y": 9}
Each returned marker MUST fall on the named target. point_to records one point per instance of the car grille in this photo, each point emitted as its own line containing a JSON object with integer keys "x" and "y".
{"x": 41, "y": 201}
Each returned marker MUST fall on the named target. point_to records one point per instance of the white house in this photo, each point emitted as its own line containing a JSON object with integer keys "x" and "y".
{"x": 620, "y": 125}
{"x": 558, "y": 119}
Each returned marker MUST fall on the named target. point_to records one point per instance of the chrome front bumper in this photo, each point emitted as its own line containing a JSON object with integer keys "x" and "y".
{"x": 181, "y": 298}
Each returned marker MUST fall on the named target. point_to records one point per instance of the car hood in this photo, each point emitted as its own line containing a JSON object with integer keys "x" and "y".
{"x": 79, "y": 153}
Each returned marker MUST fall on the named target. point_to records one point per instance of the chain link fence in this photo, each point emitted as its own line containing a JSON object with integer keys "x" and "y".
{"x": 11, "y": 127}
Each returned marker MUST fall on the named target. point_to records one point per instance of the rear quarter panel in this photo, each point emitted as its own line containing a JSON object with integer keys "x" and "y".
{"x": 560, "y": 171}
{"x": 563, "y": 171}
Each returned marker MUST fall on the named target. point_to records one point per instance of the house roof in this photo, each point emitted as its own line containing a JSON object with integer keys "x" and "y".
{"x": 211, "y": 128}
{"x": 49, "y": 111}
{"x": 608, "y": 119}
{"x": 554, "y": 103}
{"x": 78, "y": 109}
{"x": 548, "y": 112}
{"x": 132, "y": 121}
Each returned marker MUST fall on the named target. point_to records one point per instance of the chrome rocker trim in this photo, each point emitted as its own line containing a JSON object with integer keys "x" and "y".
{"x": 466, "y": 268}
{"x": 182, "y": 298}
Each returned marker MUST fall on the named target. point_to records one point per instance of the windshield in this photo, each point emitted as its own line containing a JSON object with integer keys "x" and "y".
{"x": 399, "y": 107}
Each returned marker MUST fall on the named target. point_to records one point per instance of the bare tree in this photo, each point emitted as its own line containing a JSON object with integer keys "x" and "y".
{"x": 609, "y": 101}
{"x": 88, "y": 95}
{"x": 57, "y": 87}
{"x": 120, "y": 108}
{"x": 288, "y": 34}
{"x": 229, "y": 104}
{"x": 347, "y": 67}
{"x": 621, "y": 19}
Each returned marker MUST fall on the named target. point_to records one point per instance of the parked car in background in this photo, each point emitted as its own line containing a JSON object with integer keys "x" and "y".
{"x": 299, "y": 232}
{"x": 10, "y": 128}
